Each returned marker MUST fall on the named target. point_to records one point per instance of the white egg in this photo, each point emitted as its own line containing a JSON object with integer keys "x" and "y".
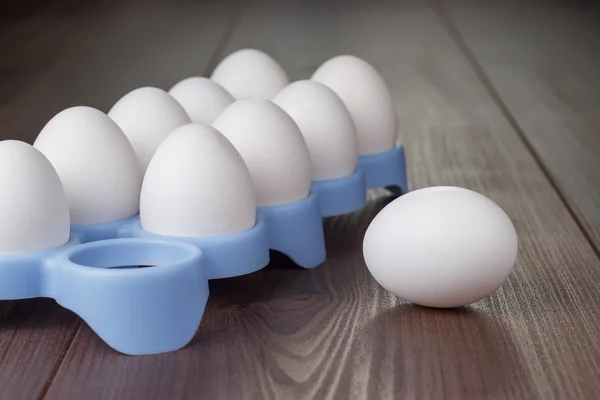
{"x": 147, "y": 115}
{"x": 96, "y": 165}
{"x": 365, "y": 93}
{"x": 34, "y": 214}
{"x": 197, "y": 185}
{"x": 272, "y": 147}
{"x": 326, "y": 126}
{"x": 250, "y": 73}
{"x": 202, "y": 98}
{"x": 441, "y": 247}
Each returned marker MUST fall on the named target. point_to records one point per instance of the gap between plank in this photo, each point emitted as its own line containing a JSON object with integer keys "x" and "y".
{"x": 225, "y": 38}
{"x": 48, "y": 383}
{"x": 455, "y": 34}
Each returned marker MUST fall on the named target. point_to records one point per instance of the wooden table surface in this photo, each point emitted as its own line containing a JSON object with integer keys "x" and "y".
{"x": 502, "y": 97}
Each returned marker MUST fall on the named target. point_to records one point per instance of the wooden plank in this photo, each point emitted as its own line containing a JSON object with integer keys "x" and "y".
{"x": 95, "y": 67}
{"x": 13, "y": 12}
{"x": 119, "y": 50}
{"x": 34, "y": 336}
{"x": 333, "y": 332}
{"x": 542, "y": 58}
{"x": 32, "y": 43}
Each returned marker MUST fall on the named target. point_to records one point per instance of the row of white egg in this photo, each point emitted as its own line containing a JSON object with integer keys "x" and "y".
{"x": 245, "y": 135}
{"x": 198, "y": 160}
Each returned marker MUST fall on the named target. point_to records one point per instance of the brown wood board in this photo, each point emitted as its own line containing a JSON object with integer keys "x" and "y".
{"x": 332, "y": 332}
{"x": 541, "y": 59}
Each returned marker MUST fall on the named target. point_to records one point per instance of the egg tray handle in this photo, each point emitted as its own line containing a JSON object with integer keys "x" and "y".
{"x": 154, "y": 310}
{"x": 134, "y": 310}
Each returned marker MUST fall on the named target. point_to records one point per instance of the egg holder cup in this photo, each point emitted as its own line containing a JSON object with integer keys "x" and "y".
{"x": 348, "y": 194}
{"x": 386, "y": 169}
{"x": 135, "y": 310}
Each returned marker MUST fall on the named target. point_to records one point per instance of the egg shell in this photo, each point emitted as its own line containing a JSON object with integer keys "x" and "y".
{"x": 441, "y": 247}
{"x": 326, "y": 126}
{"x": 147, "y": 115}
{"x": 203, "y": 99}
{"x": 367, "y": 97}
{"x": 272, "y": 147}
{"x": 197, "y": 185}
{"x": 96, "y": 164}
{"x": 250, "y": 73}
{"x": 34, "y": 214}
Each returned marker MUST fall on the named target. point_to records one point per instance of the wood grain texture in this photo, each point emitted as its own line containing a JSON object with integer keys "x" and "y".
{"x": 332, "y": 332}
{"x": 542, "y": 58}
{"x": 34, "y": 336}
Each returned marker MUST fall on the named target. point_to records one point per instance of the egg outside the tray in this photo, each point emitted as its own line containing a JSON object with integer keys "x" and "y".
{"x": 197, "y": 185}
{"x": 272, "y": 147}
{"x": 147, "y": 116}
{"x": 441, "y": 247}
{"x": 250, "y": 73}
{"x": 96, "y": 164}
{"x": 367, "y": 97}
{"x": 326, "y": 126}
{"x": 34, "y": 214}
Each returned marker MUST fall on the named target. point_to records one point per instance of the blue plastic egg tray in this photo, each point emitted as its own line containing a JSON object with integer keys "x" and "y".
{"x": 136, "y": 310}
